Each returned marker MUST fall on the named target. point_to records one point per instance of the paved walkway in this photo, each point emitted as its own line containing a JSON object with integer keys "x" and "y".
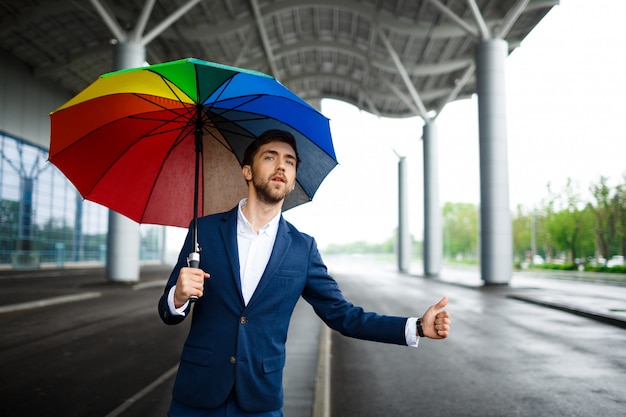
{"x": 564, "y": 290}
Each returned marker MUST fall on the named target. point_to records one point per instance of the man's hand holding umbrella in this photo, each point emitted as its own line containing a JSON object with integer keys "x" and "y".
{"x": 190, "y": 284}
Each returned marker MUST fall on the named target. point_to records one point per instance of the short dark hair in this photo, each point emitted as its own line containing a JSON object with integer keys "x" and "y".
{"x": 272, "y": 135}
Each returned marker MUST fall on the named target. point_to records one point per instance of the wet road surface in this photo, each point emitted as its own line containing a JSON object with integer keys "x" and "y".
{"x": 504, "y": 357}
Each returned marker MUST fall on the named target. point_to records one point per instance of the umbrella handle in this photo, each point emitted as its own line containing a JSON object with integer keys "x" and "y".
{"x": 193, "y": 261}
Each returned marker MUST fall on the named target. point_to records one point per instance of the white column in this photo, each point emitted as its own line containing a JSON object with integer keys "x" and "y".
{"x": 496, "y": 252}
{"x": 433, "y": 240}
{"x": 123, "y": 235}
{"x": 404, "y": 234}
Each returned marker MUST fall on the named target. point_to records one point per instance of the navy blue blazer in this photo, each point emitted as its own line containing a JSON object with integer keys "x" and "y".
{"x": 233, "y": 345}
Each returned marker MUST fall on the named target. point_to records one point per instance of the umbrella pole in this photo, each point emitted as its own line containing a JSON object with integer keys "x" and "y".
{"x": 193, "y": 259}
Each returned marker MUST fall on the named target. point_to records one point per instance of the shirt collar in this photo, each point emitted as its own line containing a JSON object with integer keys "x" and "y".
{"x": 243, "y": 225}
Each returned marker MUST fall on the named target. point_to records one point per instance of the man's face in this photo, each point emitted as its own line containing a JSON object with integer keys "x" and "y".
{"x": 273, "y": 172}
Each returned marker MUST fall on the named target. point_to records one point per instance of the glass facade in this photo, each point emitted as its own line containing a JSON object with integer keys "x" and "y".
{"x": 44, "y": 220}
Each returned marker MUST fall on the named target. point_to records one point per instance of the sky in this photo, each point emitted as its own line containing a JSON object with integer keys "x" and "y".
{"x": 566, "y": 98}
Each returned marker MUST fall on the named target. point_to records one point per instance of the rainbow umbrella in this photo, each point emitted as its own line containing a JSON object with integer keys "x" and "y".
{"x": 164, "y": 143}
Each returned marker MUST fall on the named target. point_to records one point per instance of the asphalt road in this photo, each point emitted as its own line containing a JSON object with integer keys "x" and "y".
{"x": 504, "y": 358}
{"x": 86, "y": 357}
{"x": 91, "y": 356}
{"x": 72, "y": 344}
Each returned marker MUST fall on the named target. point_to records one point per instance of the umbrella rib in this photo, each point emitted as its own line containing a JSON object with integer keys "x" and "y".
{"x": 225, "y": 84}
{"x": 223, "y": 143}
{"x": 169, "y": 84}
{"x": 179, "y": 138}
{"x": 155, "y": 131}
{"x": 182, "y": 134}
{"x": 252, "y": 98}
{"x": 256, "y": 97}
{"x": 186, "y": 108}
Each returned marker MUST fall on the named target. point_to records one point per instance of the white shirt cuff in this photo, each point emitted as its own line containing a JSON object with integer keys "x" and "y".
{"x": 410, "y": 332}
{"x": 170, "y": 303}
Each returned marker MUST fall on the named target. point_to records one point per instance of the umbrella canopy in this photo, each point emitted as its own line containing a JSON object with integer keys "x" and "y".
{"x": 128, "y": 141}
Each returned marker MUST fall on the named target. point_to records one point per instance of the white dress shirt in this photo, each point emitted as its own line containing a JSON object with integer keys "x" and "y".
{"x": 254, "y": 250}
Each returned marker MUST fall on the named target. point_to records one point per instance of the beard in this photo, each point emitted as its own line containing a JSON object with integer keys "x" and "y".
{"x": 270, "y": 193}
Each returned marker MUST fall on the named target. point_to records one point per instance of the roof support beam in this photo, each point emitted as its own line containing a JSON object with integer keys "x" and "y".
{"x": 242, "y": 52}
{"x": 485, "y": 33}
{"x": 264, "y": 38}
{"x": 456, "y": 19}
{"x": 407, "y": 100}
{"x": 168, "y": 22}
{"x": 110, "y": 21}
{"x": 370, "y": 104}
{"x": 458, "y": 86}
{"x": 135, "y": 36}
{"x": 143, "y": 20}
{"x": 511, "y": 17}
{"x": 405, "y": 76}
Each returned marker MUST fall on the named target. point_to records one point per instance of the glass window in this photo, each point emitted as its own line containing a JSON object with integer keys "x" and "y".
{"x": 43, "y": 218}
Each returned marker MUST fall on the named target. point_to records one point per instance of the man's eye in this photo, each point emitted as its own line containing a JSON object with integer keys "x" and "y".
{"x": 290, "y": 163}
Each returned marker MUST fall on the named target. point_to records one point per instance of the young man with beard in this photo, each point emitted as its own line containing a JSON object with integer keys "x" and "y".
{"x": 254, "y": 268}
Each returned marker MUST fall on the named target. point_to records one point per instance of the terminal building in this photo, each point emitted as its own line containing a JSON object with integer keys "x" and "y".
{"x": 391, "y": 58}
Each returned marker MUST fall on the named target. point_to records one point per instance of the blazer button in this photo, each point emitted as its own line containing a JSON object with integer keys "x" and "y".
{"x": 243, "y": 320}
{"x": 233, "y": 360}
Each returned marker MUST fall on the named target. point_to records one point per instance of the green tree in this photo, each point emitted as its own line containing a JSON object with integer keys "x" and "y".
{"x": 522, "y": 233}
{"x": 604, "y": 217}
{"x": 460, "y": 230}
{"x": 619, "y": 206}
{"x": 569, "y": 223}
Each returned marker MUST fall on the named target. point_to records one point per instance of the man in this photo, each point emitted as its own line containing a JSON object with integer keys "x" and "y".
{"x": 254, "y": 268}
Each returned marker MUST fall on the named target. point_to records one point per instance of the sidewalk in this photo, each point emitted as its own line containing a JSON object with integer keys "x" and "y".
{"x": 562, "y": 290}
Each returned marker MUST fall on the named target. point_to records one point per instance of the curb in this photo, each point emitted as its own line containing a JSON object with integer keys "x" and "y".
{"x": 603, "y": 317}
{"x": 321, "y": 395}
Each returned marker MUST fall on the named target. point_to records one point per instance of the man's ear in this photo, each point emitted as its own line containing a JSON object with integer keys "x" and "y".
{"x": 247, "y": 172}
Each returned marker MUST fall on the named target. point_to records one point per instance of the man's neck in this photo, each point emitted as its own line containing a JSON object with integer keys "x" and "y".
{"x": 260, "y": 214}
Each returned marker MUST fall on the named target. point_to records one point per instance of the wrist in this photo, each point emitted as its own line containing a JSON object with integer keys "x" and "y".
{"x": 419, "y": 329}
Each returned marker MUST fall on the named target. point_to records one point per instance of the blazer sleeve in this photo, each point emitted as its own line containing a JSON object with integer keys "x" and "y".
{"x": 323, "y": 293}
{"x": 164, "y": 309}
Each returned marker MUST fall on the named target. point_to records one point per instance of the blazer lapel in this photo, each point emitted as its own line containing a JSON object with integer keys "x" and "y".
{"x": 228, "y": 230}
{"x": 281, "y": 247}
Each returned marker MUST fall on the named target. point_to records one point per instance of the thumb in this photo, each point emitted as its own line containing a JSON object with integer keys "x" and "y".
{"x": 442, "y": 303}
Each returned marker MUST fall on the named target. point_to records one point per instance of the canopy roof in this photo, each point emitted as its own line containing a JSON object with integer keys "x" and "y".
{"x": 394, "y": 58}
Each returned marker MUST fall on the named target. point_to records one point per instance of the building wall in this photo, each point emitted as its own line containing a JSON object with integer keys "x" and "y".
{"x": 26, "y": 102}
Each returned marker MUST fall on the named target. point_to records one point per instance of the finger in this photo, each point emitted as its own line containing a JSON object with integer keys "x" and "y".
{"x": 442, "y": 326}
{"x": 442, "y": 320}
{"x": 442, "y": 315}
{"x": 200, "y": 275}
{"x": 192, "y": 271}
{"x": 195, "y": 289}
{"x": 194, "y": 274}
